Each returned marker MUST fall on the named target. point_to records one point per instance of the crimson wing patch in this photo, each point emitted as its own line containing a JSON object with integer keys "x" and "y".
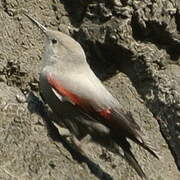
{"x": 75, "y": 99}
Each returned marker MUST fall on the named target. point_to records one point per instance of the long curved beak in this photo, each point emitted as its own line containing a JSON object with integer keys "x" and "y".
{"x": 40, "y": 26}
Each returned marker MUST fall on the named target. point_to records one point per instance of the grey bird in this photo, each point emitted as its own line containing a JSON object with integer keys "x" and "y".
{"x": 81, "y": 101}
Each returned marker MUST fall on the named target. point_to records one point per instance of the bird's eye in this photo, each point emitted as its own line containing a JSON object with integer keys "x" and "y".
{"x": 54, "y": 41}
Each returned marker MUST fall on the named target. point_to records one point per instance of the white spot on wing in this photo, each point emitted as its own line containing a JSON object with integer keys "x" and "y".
{"x": 58, "y": 95}
{"x": 62, "y": 98}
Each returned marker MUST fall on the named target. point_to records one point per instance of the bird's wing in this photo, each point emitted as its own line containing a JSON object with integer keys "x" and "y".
{"x": 113, "y": 116}
{"x": 92, "y": 101}
{"x": 66, "y": 94}
{"x": 120, "y": 123}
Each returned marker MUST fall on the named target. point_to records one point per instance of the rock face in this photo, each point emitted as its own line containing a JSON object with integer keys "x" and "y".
{"x": 133, "y": 46}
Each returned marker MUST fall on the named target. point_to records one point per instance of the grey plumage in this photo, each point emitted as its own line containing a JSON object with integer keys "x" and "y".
{"x": 78, "y": 97}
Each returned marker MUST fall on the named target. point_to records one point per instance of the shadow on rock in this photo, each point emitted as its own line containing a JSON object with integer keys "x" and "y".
{"x": 35, "y": 105}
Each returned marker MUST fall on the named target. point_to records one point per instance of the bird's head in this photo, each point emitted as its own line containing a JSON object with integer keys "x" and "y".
{"x": 60, "y": 47}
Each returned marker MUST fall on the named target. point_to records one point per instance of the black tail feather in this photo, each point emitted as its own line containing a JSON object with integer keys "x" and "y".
{"x": 147, "y": 146}
{"x": 129, "y": 157}
{"x": 131, "y": 130}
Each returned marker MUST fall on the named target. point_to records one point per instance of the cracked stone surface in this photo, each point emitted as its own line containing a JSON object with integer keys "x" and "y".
{"x": 133, "y": 47}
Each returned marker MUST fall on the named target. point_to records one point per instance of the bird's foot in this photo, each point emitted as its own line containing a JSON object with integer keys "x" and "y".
{"x": 79, "y": 144}
{"x": 62, "y": 131}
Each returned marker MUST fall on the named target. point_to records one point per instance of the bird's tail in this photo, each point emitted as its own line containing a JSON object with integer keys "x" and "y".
{"x": 129, "y": 157}
{"x": 147, "y": 146}
{"x": 133, "y": 131}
